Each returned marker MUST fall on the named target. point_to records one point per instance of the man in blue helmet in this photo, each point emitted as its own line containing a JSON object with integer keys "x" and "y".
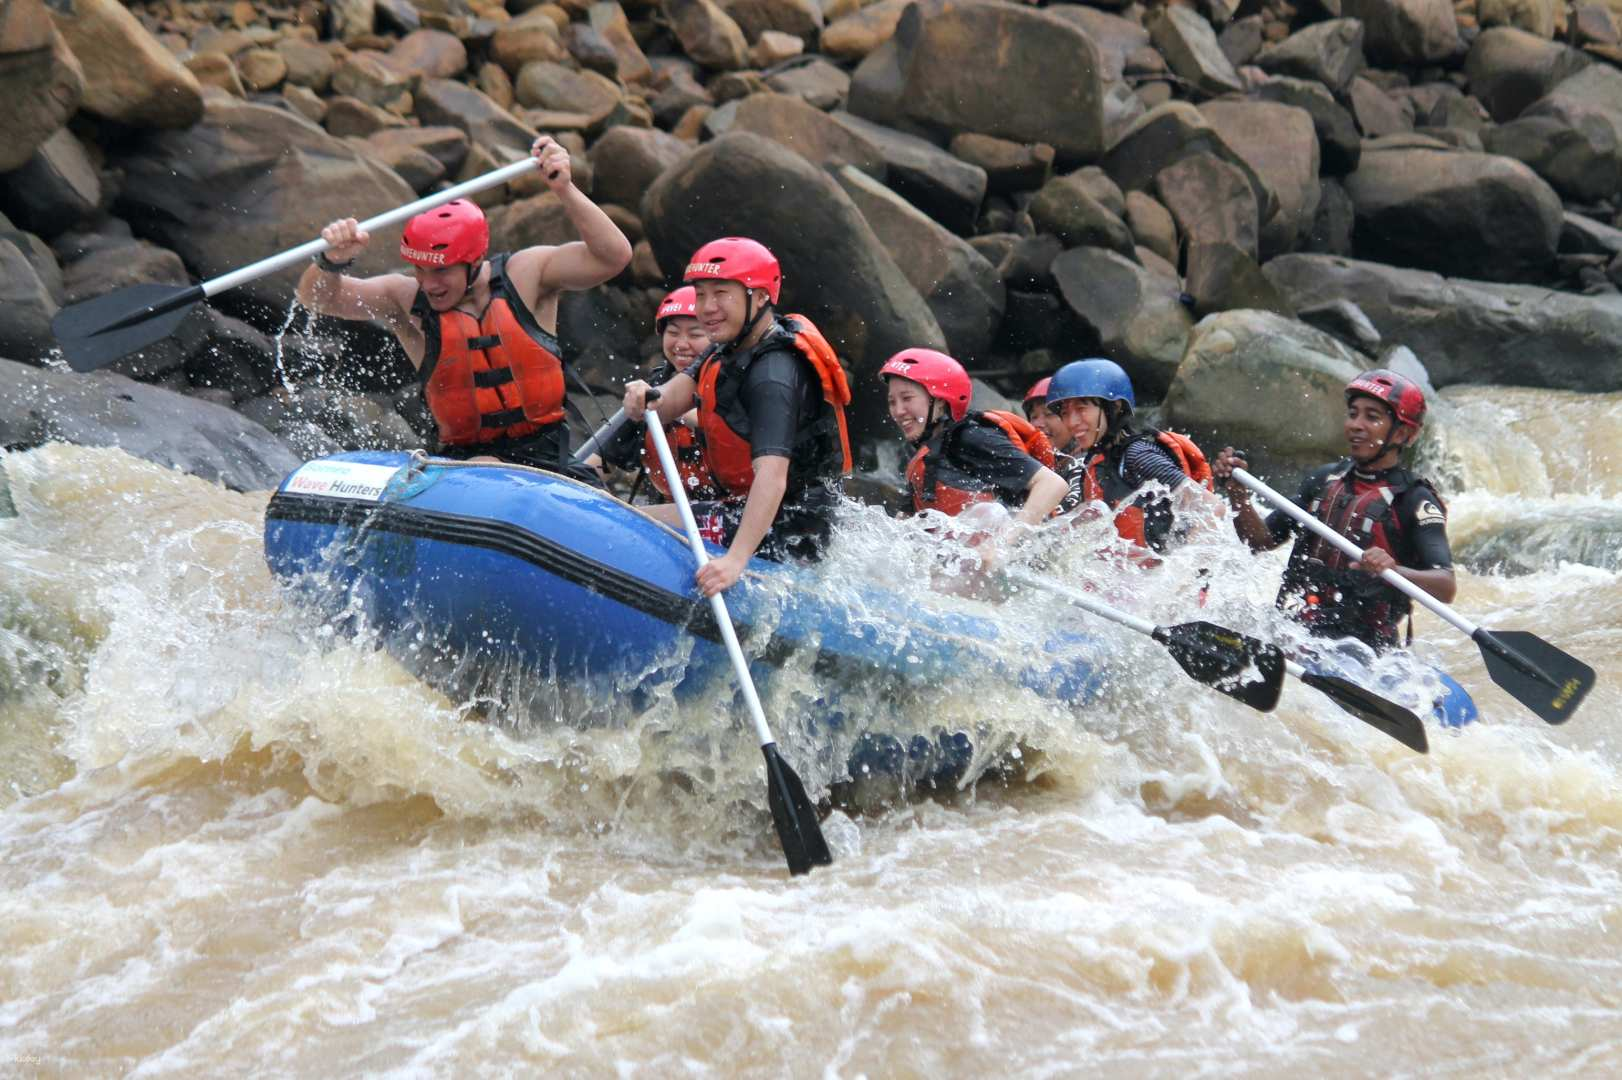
{"x": 1114, "y": 458}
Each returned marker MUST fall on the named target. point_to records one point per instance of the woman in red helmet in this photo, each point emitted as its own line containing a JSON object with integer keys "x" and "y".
{"x": 771, "y": 399}
{"x": 682, "y": 340}
{"x": 481, "y": 332}
{"x": 1397, "y": 518}
{"x": 961, "y": 456}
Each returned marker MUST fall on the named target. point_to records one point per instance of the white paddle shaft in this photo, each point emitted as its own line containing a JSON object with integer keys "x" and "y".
{"x": 1082, "y": 600}
{"x": 315, "y": 247}
{"x": 723, "y": 618}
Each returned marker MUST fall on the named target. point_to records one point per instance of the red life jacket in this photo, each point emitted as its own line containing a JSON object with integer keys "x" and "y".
{"x": 929, "y": 493}
{"x": 727, "y": 454}
{"x": 1321, "y": 589}
{"x": 499, "y": 376}
{"x": 1109, "y": 485}
{"x": 689, "y": 455}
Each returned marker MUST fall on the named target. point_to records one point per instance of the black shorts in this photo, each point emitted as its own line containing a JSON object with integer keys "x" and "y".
{"x": 803, "y": 527}
{"x": 546, "y": 449}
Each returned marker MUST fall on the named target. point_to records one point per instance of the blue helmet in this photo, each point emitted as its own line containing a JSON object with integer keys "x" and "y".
{"x": 1091, "y": 379}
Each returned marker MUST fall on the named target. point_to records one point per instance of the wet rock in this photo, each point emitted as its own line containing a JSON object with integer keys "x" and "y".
{"x": 1588, "y": 102}
{"x": 1280, "y": 143}
{"x": 244, "y": 180}
{"x": 834, "y": 268}
{"x": 170, "y": 429}
{"x": 128, "y": 76}
{"x": 947, "y": 188}
{"x": 944, "y": 82}
{"x": 1375, "y": 111}
{"x": 1344, "y": 321}
{"x": 1169, "y": 134}
{"x": 1575, "y": 149}
{"x": 1330, "y": 53}
{"x": 1583, "y": 235}
{"x": 1339, "y": 144}
{"x": 1027, "y": 263}
{"x": 708, "y": 34}
{"x": 120, "y": 265}
{"x": 1222, "y": 276}
{"x": 1300, "y": 372}
{"x": 1117, "y": 38}
{"x": 1454, "y": 212}
{"x": 1211, "y": 201}
{"x": 1008, "y": 166}
{"x": 809, "y": 132}
{"x": 57, "y": 188}
{"x": 608, "y": 18}
{"x": 628, "y": 160}
{"x": 1472, "y": 331}
{"x": 1190, "y": 46}
{"x": 812, "y": 80}
{"x": 40, "y": 78}
{"x": 1068, "y": 207}
{"x": 962, "y": 289}
{"x": 1404, "y": 32}
{"x": 1152, "y": 226}
{"x": 1134, "y": 312}
{"x": 26, "y": 307}
{"x": 854, "y": 36}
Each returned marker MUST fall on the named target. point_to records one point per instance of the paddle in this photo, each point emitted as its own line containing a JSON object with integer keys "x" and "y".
{"x": 1546, "y": 680}
{"x": 1377, "y": 712}
{"x": 792, "y": 812}
{"x": 605, "y": 434}
{"x": 95, "y": 332}
{"x": 1211, "y": 654}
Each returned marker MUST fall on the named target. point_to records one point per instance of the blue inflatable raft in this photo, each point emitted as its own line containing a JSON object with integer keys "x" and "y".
{"x": 519, "y": 570}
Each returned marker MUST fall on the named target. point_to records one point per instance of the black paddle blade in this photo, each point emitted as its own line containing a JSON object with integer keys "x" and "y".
{"x": 1377, "y": 712}
{"x": 1549, "y": 682}
{"x": 795, "y": 817}
{"x": 1217, "y": 656}
{"x": 93, "y": 333}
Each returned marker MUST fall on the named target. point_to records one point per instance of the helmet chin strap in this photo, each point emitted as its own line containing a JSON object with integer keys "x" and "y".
{"x": 750, "y": 318}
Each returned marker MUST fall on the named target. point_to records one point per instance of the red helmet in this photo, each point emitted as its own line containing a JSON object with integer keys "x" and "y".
{"x": 445, "y": 235}
{"x": 1039, "y": 392}
{"x": 683, "y": 303}
{"x": 734, "y": 258}
{"x": 941, "y": 377}
{"x": 1401, "y": 395}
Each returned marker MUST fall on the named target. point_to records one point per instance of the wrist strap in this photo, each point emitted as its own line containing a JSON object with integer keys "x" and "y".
{"x": 330, "y": 267}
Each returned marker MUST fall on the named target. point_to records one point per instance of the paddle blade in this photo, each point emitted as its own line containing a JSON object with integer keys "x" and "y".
{"x": 795, "y": 817}
{"x": 93, "y": 333}
{"x": 1546, "y": 680}
{"x": 1218, "y": 657}
{"x": 1377, "y": 712}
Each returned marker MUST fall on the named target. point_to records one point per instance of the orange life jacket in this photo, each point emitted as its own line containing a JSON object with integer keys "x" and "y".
{"x": 727, "y": 454}
{"x": 689, "y": 455}
{"x": 1110, "y": 487}
{"x": 499, "y": 376}
{"x": 928, "y": 493}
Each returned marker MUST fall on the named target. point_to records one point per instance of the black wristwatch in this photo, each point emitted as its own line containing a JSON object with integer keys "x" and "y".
{"x": 330, "y": 267}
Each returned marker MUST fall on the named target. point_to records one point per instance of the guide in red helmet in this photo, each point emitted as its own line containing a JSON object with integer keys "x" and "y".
{"x": 681, "y": 341}
{"x": 771, "y": 399}
{"x": 480, "y": 329}
{"x": 963, "y": 456}
{"x": 1396, "y": 517}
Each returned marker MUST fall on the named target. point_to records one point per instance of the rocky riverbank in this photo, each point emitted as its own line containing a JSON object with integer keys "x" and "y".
{"x": 1230, "y": 198}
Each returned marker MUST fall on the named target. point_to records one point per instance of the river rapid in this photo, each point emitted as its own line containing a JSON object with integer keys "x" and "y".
{"x": 233, "y": 841}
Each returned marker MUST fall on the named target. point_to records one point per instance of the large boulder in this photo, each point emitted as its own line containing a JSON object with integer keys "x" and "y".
{"x": 1267, "y": 383}
{"x": 1212, "y": 202}
{"x": 1329, "y": 52}
{"x": 1280, "y": 143}
{"x": 1405, "y": 32}
{"x": 1074, "y": 209}
{"x": 1190, "y": 46}
{"x": 962, "y": 289}
{"x": 1472, "y": 331}
{"x": 1509, "y": 69}
{"x": 250, "y": 181}
{"x": 835, "y": 270}
{"x": 1135, "y": 313}
{"x": 1587, "y": 102}
{"x": 57, "y": 188}
{"x": 106, "y": 409}
{"x": 945, "y": 82}
{"x": 1575, "y": 149}
{"x": 41, "y": 81}
{"x": 1454, "y": 212}
{"x": 26, "y": 306}
{"x": 1339, "y": 144}
{"x": 129, "y": 76}
{"x": 802, "y": 18}
{"x": 708, "y": 34}
{"x": 448, "y": 103}
{"x": 808, "y": 131}
{"x": 608, "y": 18}
{"x": 947, "y": 188}
{"x": 626, "y": 161}
{"x": 1166, "y": 135}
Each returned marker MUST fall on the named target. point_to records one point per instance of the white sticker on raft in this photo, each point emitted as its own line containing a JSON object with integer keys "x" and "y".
{"x": 342, "y": 480}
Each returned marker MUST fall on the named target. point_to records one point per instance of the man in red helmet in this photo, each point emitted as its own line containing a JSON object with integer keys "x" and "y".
{"x": 771, "y": 399}
{"x": 1397, "y": 518}
{"x": 481, "y": 332}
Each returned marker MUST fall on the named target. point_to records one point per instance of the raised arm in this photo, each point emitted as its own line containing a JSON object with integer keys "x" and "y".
{"x": 325, "y": 289}
{"x": 601, "y": 252}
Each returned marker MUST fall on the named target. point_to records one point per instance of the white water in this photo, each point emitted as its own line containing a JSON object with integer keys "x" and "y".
{"x": 233, "y": 842}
